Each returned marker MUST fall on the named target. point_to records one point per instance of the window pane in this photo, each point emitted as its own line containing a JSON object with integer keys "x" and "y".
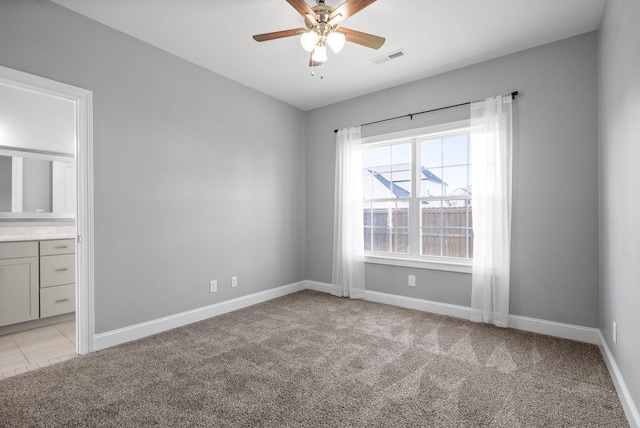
{"x": 400, "y": 214}
{"x": 401, "y": 240}
{"x": 386, "y": 226}
{"x": 431, "y": 153}
{"x": 381, "y": 187}
{"x": 445, "y": 228}
{"x": 454, "y": 213}
{"x": 402, "y": 182}
{"x": 469, "y": 228}
{"x": 456, "y": 179}
{"x": 401, "y": 167}
{"x": 455, "y": 150}
{"x": 367, "y": 185}
{"x": 387, "y": 172}
{"x": 380, "y": 239}
{"x": 367, "y": 158}
{"x": 380, "y": 214}
{"x": 431, "y": 227}
{"x": 401, "y": 154}
{"x": 400, "y": 223}
{"x": 431, "y": 213}
{"x": 431, "y": 183}
{"x": 431, "y": 242}
{"x": 367, "y": 239}
{"x": 367, "y": 223}
{"x": 366, "y": 211}
{"x": 455, "y": 243}
{"x": 381, "y": 156}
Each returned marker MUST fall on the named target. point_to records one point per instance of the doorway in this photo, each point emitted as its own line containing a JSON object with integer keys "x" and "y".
{"x": 83, "y": 234}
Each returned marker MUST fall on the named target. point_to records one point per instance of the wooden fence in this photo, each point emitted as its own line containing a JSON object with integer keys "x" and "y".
{"x": 446, "y": 231}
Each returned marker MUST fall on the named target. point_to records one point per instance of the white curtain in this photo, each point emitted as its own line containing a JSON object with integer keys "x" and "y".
{"x": 348, "y": 242}
{"x": 491, "y": 153}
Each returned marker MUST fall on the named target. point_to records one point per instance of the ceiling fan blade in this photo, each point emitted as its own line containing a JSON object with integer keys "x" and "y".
{"x": 347, "y": 9}
{"x": 364, "y": 39}
{"x": 302, "y": 7}
{"x": 278, "y": 34}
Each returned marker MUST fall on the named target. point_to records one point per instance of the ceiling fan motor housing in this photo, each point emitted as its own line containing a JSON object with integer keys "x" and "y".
{"x": 320, "y": 23}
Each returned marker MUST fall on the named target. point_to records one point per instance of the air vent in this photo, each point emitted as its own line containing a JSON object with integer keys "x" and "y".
{"x": 388, "y": 57}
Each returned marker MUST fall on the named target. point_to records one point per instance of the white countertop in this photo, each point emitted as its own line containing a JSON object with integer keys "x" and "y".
{"x": 36, "y": 233}
{"x": 17, "y": 238}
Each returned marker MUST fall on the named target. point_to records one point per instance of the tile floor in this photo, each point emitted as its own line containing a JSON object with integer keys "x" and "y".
{"x": 32, "y": 349}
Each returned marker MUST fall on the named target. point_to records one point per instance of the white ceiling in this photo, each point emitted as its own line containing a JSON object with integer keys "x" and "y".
{"x": 438, "y": 35}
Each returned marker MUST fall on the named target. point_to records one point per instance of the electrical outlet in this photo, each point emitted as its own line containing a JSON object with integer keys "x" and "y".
{"x": 234, "y": 281}
{"x": 615, "y": 332}
{"x": 412, "y": 280}
{"x": 213, "y": 286}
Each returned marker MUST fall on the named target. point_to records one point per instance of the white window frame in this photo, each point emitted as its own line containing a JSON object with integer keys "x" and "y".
{"x": 451, "y": 264}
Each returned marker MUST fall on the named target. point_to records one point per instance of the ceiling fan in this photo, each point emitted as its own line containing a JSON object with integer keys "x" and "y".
{"x": 322, "y": 28}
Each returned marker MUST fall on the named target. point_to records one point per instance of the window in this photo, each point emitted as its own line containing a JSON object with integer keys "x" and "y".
{"x": 417, "y": 196}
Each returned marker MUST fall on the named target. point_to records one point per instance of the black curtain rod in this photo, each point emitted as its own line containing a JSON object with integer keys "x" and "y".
{"x": 410, "y": 115}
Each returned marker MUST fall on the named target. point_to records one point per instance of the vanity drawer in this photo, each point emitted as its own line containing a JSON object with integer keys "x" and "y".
{"x": 57, "y": 246}
{"x": 14, "y": 250}
{"x": 57, "y": 270}
{"x": 57, "y": 300}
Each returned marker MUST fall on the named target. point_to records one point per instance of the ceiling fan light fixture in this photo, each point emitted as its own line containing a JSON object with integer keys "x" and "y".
{"x": 309, "y": 40}
{"x": 336, "y": 41}
{"x": 320, "y": 29}
{"x": 319, "y": 54}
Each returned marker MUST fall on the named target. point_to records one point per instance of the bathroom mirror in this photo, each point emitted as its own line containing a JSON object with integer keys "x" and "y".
{"x": 36, "y": 185}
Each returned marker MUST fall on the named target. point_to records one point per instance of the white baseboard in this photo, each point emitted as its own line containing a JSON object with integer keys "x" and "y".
{"x": 551, "y": 328}
{"x": 555, "y": 329}
{"x": 317, "y": 286}
{"x": 138, "y": 331}
{"x": 630, "y": 409}
{"x": 402, "y": 301}
{"x": 419, "y": 304}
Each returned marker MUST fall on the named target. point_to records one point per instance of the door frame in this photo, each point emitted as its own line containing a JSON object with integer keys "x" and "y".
{"x": 83, "y": 99}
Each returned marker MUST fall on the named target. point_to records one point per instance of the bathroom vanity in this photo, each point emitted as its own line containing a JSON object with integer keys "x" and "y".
{"x": 37, "y": 279}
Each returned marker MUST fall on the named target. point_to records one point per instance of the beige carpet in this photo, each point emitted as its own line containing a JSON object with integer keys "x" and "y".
{"x": 312, "y": 360}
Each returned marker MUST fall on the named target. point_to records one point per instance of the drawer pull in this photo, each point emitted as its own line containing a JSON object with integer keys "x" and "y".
{"x": 62, "y": 300}
{"x": 61, "y": 247}
{"x": 62, "y": 270}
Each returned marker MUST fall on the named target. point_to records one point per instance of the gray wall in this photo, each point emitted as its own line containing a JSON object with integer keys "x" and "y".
{"x": 619, "y": 174}
{"x": 199, "y": 178}
{"x": 196, "y": 177}
{"x": 555, "y": 214}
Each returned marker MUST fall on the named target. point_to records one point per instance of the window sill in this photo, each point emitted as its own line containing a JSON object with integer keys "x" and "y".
{"x": 448, "y": 265}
